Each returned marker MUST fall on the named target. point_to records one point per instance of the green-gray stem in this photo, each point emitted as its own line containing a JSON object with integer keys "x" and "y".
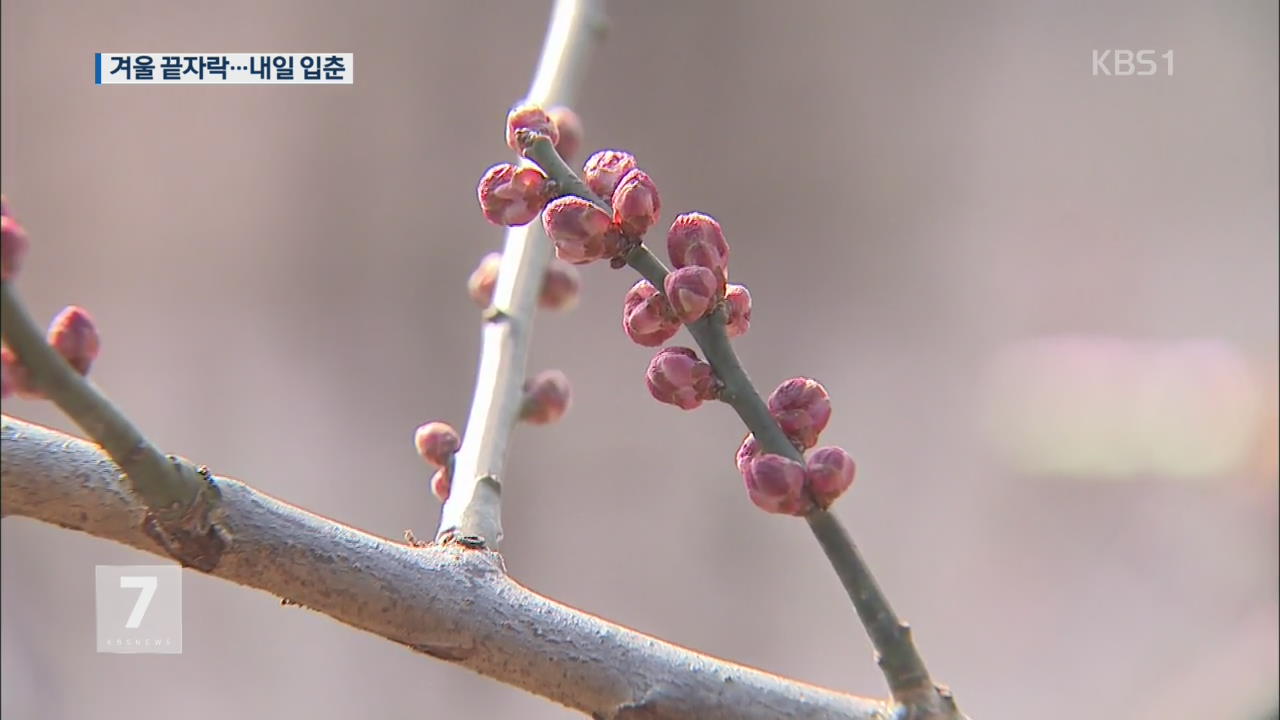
{"x": 150, "y": 474}
{"x": 899, "y": 660}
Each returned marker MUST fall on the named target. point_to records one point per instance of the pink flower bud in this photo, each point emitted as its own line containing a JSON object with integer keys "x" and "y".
{"x": 546, "y": 397}
{"x": 738, "y": 302}
{"x": 829, "y": 472}
{"x": 15, "y": 377}
{"x": 529, "y": 119}
{"x": 802, "y": 408}
{"x": 677, "y": 377}
{"x": 647, "y": 317}
{"x": 636, "y": 203}
{"x": 747, "y": 452}
{"x": 578, "y": 228}
{"x": 605, "y": 169}
{"x": 437, "y": 442}
{"x": 73, "y": 334}
{"x": 441, "y": 484}
{"x": 696, "y": 239}
{"x": 13, "y": 247}
{"x": 776, "y": 484}
{"x": 691, "y": 291}
{"x": 510, "y": 195}
{"x": 559, "y": 286}
{"x": 569, "y": 127}
{"x": 484, "y": 279}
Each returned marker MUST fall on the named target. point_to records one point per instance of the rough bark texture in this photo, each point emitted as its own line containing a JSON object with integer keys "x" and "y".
{"x": 449, "y": 602}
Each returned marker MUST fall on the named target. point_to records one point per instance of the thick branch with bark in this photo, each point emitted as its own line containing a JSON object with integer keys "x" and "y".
{"x": 447, "y": 601}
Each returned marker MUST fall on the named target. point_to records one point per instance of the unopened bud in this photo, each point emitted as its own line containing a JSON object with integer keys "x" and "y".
{"x": 738, "y": 304}
{"x": 16, "y": 379}
{"x": 776, "y": 484}
{"x": 441, "y": 484}
{"x": 747, "y": 451}
{"x": 691, "y": 291}
{"x": 577, "y": 227}
{"x": 636, "y": 204}
{"x": 647, "y": 317}
{"x": 829, "y": 472}
{"x": 484, "y": 279}
{"x": 569, "y": 127}
{"x": 802, "y": 408}
{"x": 75, "y": 337}
{"x": 546, "y": 397}
{"x": 677, "y": 377}
{"x": 560, "y": 286}
{"x": 511, "y": 195}
{"x": 696, "y": 239}
{"x": 525, "y": 119}
{"x": 13, "y": 247}
{"x": 605, "y": 169}
{"x": 437, "y": 442}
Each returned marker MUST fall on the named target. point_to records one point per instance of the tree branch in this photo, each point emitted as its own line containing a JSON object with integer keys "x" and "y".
{"x": 901, "y": 663}
{"x": 446, "y": 601}
{"x": 473, "y": 509}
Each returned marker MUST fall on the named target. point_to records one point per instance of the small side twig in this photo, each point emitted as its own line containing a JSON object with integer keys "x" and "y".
{"x": 473, "y": 510}
{"x": 903, "y": 668}
{"x": 181, "y": 499}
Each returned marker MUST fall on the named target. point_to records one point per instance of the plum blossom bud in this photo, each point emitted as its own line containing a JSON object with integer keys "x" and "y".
{"x": 511, "y": 195}
{"x": 441, "y": 484}
{"x": 530, "y": 118}
{"x": 636, "y": 204}
{"x": 546, "y": 397}
{"x": 802, "y": 408}
{"x": 828, "y": 472}
{"x": 696, "y": 239}
{"x": 747, "y": 452}
{"x": 691, "y": 291}
{"x": 578, "y": 227}
{"x": 647, "y": 317}
{"x": 14, "y": 377}
{"x": 776, "y": 484}
{"x": 560, "y": 286}
{"x": 13, "y": 247}
{"x": 569, "y": 127}
{"x": 677, "y": 377}
{"x": 605, "y": 169}
{"x": 75, "y": 337}
{"x": 738, "y": 303}
{"x": 559, "y": 290}
{"x": 484, "y": 279}
{"x": 437, "y": 442}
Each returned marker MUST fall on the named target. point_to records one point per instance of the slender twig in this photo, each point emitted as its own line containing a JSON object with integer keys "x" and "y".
{"x": 452, "y": 604}
{"x": 899, "y": 660}
{"x": 181, "y": 500}
{"x": 473, "y": 509}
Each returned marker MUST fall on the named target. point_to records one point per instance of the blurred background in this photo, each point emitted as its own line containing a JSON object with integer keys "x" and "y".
{"x": 1044, "y": 304}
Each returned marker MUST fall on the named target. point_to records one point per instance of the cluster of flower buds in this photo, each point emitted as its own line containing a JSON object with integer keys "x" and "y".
{"x": 778, "y": 484}
{"x": 546, "y": 397}
{"x": 584, "y": 232}
{"x": 560, "y": 283}
{"x": 437, "y": 442}
{"x": 514, "y": 195}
